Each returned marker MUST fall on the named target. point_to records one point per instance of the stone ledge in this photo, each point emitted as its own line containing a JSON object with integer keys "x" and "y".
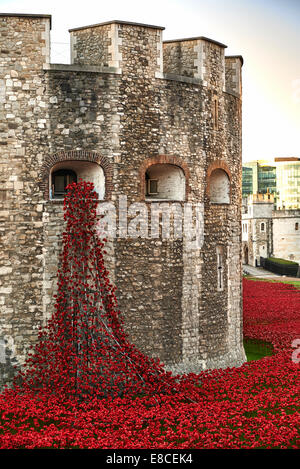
{"x": 81, "y": 68}
{"x": 193, "y": 81}
{"x": 129, "y": 23}
{"x": 235, "y": 57}
{"x": 180, "y": 78}
{"x": 233, "y": 93}
{"x": 197, "y": 38}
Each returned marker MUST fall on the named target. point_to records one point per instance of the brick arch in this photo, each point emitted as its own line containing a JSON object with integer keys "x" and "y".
{"x": 218, "y": 164}
{"x": 76, "y": 155}
{"x": 163, "y": 159}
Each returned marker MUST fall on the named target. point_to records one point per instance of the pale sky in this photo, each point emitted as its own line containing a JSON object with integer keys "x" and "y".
{"x": 265, "y": 32}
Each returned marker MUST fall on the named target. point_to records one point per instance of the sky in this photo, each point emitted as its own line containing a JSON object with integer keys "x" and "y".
{"x": 265, "y": 32}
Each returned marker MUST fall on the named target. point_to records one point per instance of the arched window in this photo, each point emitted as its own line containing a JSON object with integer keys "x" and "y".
{"x": 164, "y": 182}
{"x": 262, "y": 227}
{"x": 219, "y": 187}
{"x": 66, "y": 172}
{"x": 296, "y": 226}
{"x": 60, "y": 180}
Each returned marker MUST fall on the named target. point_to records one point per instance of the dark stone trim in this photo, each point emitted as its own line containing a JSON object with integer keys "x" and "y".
{"x": 197, "y": 38}
{"x": 117, "y": 22}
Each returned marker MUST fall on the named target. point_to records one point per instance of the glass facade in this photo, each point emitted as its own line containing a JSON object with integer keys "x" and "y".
{"x": 288, "y": 182}
{"x": 247, "y": 183}
{"x": 282, "y": 179}
{"x": 266, "y": 179}
{"x": 258, "y": 177}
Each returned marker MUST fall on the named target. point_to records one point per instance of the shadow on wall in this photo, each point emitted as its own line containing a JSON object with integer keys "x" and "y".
{"x": 7, "y": 362}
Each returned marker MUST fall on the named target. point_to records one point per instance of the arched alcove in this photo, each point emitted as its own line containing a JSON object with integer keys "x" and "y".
{"x": 219, "y": 187}
{"x": 164, "y": 181}
{"x": 164, "y": 169}
{"x": 87, "y": 165}
{"x": 65, "y": 172}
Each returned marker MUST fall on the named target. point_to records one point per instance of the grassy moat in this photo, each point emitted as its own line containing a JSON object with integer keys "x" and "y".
{"x": 255, "y": 350}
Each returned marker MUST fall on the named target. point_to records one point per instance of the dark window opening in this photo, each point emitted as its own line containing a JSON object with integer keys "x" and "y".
{"x": 215, "y": 113}
{"x": 60, "y": 180}
{"x": 220, "y": 269}
{"x": 152, "y": 186}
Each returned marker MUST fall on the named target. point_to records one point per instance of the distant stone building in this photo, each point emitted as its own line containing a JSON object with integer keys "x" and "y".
{"x": 267, "y": 232}
{"x": 150, "y": 120}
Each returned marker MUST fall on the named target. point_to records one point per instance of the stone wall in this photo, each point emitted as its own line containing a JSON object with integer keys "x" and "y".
{"x": 24, "y": 47}
{"x": 286, "y": 234}
{"x": 92, "y": 46}
{"x": 180, "y": 58}
{"x": 233, "y": 76}
{"x": 270, "y": 232}
{"x": 259, "y": 235}
{"x": 115, "y": 107}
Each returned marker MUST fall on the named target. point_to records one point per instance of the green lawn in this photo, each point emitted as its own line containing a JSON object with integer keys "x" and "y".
{"x": 296, "y": 283}
{"x": 255, "y": 350}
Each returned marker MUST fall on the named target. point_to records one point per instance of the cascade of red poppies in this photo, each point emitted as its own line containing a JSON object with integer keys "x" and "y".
{"x": 83, "y": 351}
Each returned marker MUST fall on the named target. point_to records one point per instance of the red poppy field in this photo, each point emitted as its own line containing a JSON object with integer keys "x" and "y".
{"x": 85, "y": 385}
{"x": 254, "y": 406}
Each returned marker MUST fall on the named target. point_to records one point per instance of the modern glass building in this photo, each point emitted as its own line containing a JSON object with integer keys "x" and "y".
{"x": 247, "y": 184}
{"x": 288, "y": 183}
{"x": 266, "y": 177}
{"x": 259, "y": 177}
{"x": 280, "y": 177}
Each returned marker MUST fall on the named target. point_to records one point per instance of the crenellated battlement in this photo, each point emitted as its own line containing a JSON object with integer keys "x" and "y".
{"x": 127, "y": 47}
{"x": 261, "y": 198}
{"x": 140, "y": 47}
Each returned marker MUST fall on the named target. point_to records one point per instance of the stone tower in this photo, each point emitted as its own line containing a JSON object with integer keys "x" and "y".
{"x": 150, "y": 123}
{"x": 257, "y": 228}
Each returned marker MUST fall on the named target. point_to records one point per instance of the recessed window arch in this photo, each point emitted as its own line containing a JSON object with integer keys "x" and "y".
{"x": 66, "y": 172}
{"x": 296, "y": 226}
{"x": 164, "y": 181}
{"x": 219, "y": 187}
{"x": 262, "y": 226}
